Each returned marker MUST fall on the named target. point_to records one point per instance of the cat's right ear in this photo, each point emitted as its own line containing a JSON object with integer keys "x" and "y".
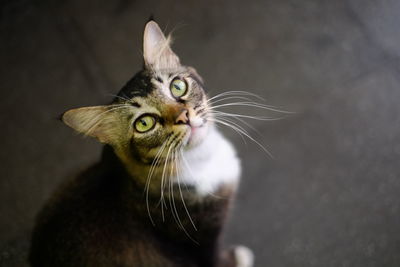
{"x": 97, "y": 121}
{"x": 157, "y": 52}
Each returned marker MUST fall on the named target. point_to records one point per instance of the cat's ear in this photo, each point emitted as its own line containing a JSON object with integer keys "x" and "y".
{"x": 157, "y": 52}
{"x": 97, "y": 121}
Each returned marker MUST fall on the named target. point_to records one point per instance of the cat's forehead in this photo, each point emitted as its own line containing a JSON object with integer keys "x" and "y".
{"x": 145, "y": 82}
{"x": 139, "y": 85}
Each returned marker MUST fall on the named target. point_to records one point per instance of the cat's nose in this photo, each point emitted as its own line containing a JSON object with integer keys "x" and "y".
{"x": 183, "y": 117}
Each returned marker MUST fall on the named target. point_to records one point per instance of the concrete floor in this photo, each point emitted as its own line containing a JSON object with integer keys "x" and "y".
{"x": 330, "y": 196}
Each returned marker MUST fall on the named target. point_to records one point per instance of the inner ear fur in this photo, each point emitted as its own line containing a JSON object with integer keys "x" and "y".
{"x": 97, "y": 121}
{"x": 157, "y": 52}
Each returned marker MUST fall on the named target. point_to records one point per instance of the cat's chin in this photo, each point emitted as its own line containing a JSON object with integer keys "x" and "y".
{"x": 196, "y": 135}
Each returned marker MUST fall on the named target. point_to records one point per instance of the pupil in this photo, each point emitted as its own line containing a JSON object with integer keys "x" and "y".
{"x": 144, "y": 123}
{"x": 177, "y": 87}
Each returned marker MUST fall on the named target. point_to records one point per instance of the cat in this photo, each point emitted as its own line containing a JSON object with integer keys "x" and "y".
{"x": 160, "y": 194}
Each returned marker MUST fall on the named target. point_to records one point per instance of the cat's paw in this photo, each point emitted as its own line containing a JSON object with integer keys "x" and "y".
{"x": 244, "y": 257}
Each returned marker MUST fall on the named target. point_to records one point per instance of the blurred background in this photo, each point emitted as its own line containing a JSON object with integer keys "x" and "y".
{"x": 330, "y": 196}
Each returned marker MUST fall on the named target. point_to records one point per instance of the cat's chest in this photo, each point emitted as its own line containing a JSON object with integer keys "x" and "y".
{"x": 211, "y": 165}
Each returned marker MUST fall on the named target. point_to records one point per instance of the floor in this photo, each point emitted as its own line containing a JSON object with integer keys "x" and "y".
{"x": 329, "y": 196}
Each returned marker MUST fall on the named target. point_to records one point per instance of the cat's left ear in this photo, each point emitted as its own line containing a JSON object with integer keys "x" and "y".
{"x": 100, "y": 122}
{"x": 157, "y": 52}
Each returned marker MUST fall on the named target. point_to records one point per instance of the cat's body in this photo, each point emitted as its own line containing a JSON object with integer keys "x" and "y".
{"x": 100, "y": 219}
{"x": 159, "y": 198}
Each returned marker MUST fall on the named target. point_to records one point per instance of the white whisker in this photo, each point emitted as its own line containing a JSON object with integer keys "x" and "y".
{"x": 171, "y": 201}
{"x": 162, "y": 181}
{"x": 227, "y": 98}
{"x": 153, "y": 166}
{"x": 180, "y": 190}
{"x": 121, "y": 97}
{"x": 234, "y": 125}
{"x": 174, "y": 209}
{"x": 219, "y": 114}
{"x": 247, "y": 135}
{"x": 239, "y": 93}
{"x": 252, "y": 104}
{"x": 245, "y": 116}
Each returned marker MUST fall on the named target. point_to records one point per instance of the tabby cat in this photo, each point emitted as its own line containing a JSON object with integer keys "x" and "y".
{"x": 160, "y": 194}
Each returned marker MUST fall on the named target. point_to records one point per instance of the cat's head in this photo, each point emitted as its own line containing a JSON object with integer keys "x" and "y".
{"x": 162, "y": 105}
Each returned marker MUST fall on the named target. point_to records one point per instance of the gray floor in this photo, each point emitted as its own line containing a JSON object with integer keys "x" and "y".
{"x": 330, "y": 196}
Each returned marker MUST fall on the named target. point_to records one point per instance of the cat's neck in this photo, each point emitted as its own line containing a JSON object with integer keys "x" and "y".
{"x": 203, "y": 168}
{"x": 178, "y": 216}
{"x": 210, "y": 165}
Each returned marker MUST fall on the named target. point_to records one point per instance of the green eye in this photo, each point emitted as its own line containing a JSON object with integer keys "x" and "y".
{"x": 145, "y": 123}
{"x": 178, "y": 87}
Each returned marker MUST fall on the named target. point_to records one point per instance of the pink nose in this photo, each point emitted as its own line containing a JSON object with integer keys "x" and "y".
{"x": 183, "y": 118}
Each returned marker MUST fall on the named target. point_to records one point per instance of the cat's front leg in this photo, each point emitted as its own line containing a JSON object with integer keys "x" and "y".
{"x": 237, "y": 256}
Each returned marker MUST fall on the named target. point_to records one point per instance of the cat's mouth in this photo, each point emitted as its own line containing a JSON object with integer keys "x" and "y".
{"x": 196, "y": 134}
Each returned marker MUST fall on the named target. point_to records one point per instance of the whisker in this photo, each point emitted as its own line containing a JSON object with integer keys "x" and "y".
{"x": 121, "y": 97}
{"x": 157, "y": 158}
{"x": 153, "y": 166}
{"x": 179, "y": 220}
{"x": 222, "y": 115}
{"x": 229, "y": 97}
{"x": 162, "y": 181}
{"x": 225, "y": 120}
{"x": 247, "y": 135}
{"x": 180, "y": 192}
{"x": 246, "y": 116}
{"x": 174, "y": 211}
{"x": 239, "y": 93}
{"x": 251, "y": 104}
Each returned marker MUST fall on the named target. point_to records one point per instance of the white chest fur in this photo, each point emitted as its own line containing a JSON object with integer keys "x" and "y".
{"x": 211, "y": 164}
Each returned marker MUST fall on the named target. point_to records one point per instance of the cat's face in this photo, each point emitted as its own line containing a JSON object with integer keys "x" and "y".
{"x": 171, "y": 109}
{"x": 162, "y": 106}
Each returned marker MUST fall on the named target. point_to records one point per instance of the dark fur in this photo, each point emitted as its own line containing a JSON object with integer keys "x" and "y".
{"x": 100, "y": 219}
{"x": 139, "y": 85}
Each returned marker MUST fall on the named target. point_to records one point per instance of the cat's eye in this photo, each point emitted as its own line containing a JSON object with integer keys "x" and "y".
{"x": 145, "y": 123}
{"x": 178, "y": 87}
